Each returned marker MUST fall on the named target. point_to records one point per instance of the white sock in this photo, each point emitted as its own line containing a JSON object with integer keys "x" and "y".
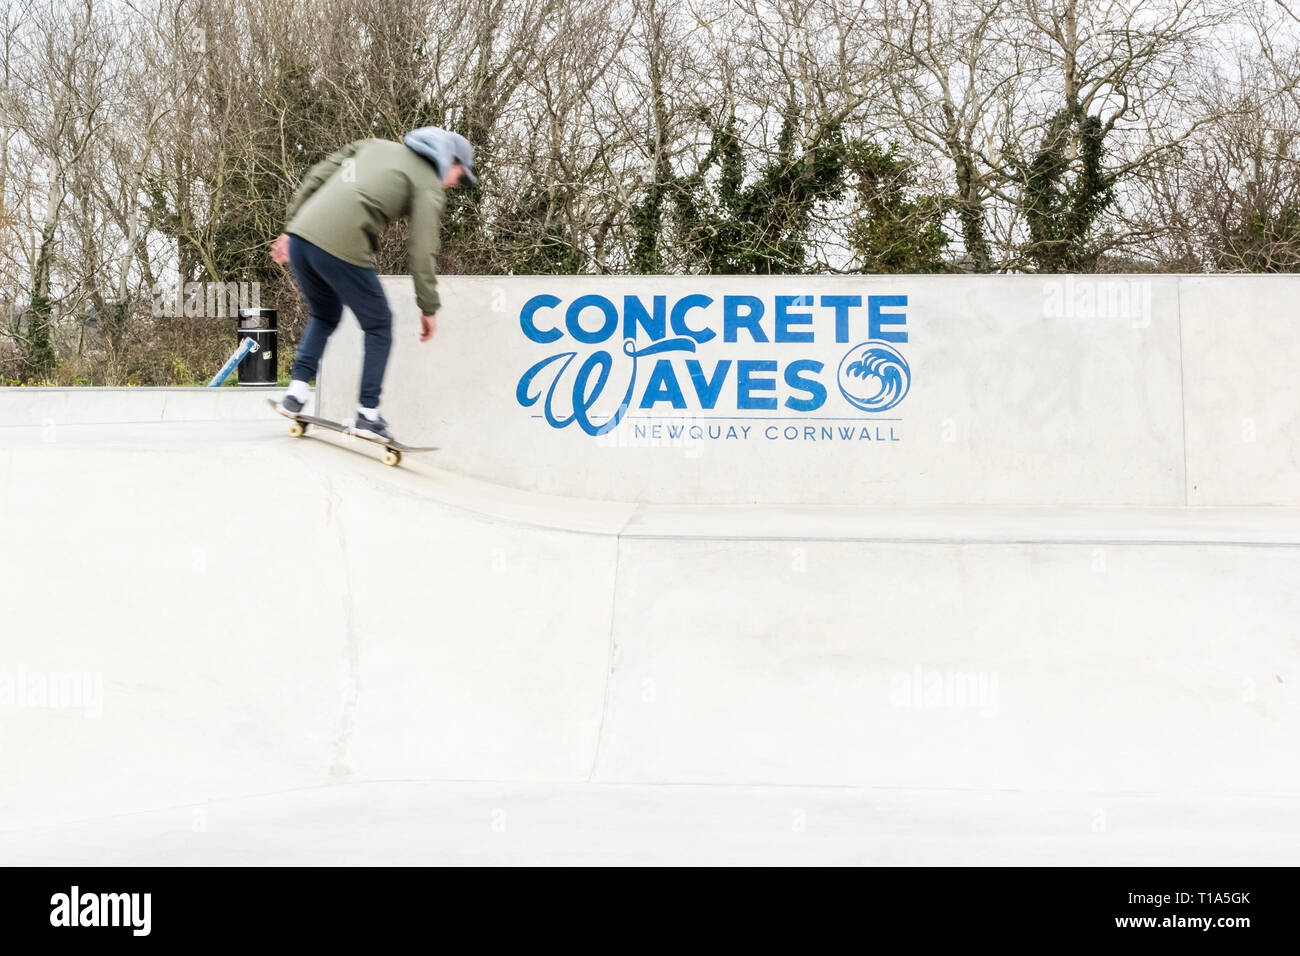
{"x": 299, "y": 390}
{"x": 370, "y": 413}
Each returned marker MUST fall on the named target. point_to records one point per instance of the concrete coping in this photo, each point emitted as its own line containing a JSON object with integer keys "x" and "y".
{"x": 39, "y": 405}
{"x": 421, "y": 478}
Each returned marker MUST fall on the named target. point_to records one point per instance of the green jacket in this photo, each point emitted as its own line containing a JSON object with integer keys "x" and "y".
{"x": 345, "y": 202}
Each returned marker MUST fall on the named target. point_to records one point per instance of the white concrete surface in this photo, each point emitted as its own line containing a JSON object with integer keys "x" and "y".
{"x": 286, "y": 652}
{"x": 421, "y": 823}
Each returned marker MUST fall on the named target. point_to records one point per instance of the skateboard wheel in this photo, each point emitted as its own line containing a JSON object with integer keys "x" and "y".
{"x": 392, "y": 457}
{"x": 297, "y": 430}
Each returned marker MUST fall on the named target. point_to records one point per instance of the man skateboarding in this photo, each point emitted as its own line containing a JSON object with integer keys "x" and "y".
{"x": 334, "y": 222}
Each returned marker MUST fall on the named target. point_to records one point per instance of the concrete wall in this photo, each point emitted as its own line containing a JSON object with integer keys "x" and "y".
{"x": 1241, "y": 389}
{"x": 1129, "y": 390}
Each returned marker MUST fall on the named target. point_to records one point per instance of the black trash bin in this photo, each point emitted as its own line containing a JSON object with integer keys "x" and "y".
{"x": 261, "y": 367}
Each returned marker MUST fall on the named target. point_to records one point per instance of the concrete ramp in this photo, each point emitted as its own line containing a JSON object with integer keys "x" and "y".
{"x": 220, "y": 644}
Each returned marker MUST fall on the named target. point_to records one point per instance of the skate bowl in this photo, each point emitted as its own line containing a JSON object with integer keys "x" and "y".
{"x": 222, "y": 644}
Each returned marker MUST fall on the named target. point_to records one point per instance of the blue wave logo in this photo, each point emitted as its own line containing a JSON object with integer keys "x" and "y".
{"x": 874, "y": 377}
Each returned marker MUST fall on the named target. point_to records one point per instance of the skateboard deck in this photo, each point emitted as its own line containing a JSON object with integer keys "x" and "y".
{"x": 393, "y": 449}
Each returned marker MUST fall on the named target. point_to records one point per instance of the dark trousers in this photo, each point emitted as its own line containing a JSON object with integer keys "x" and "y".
{"x": 328, "y": 284}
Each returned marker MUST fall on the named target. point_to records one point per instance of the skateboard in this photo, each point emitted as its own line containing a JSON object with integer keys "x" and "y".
{"x": 393, "y": 450}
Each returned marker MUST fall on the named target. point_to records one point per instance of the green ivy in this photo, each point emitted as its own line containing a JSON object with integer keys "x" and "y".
{"x": 727, "y": 227}
{"x": 1063, "y": 197}
{"x": 892, "y": 232}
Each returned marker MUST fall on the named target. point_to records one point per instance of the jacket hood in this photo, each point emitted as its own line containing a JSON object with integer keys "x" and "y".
{"x": 443, "y": 147}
